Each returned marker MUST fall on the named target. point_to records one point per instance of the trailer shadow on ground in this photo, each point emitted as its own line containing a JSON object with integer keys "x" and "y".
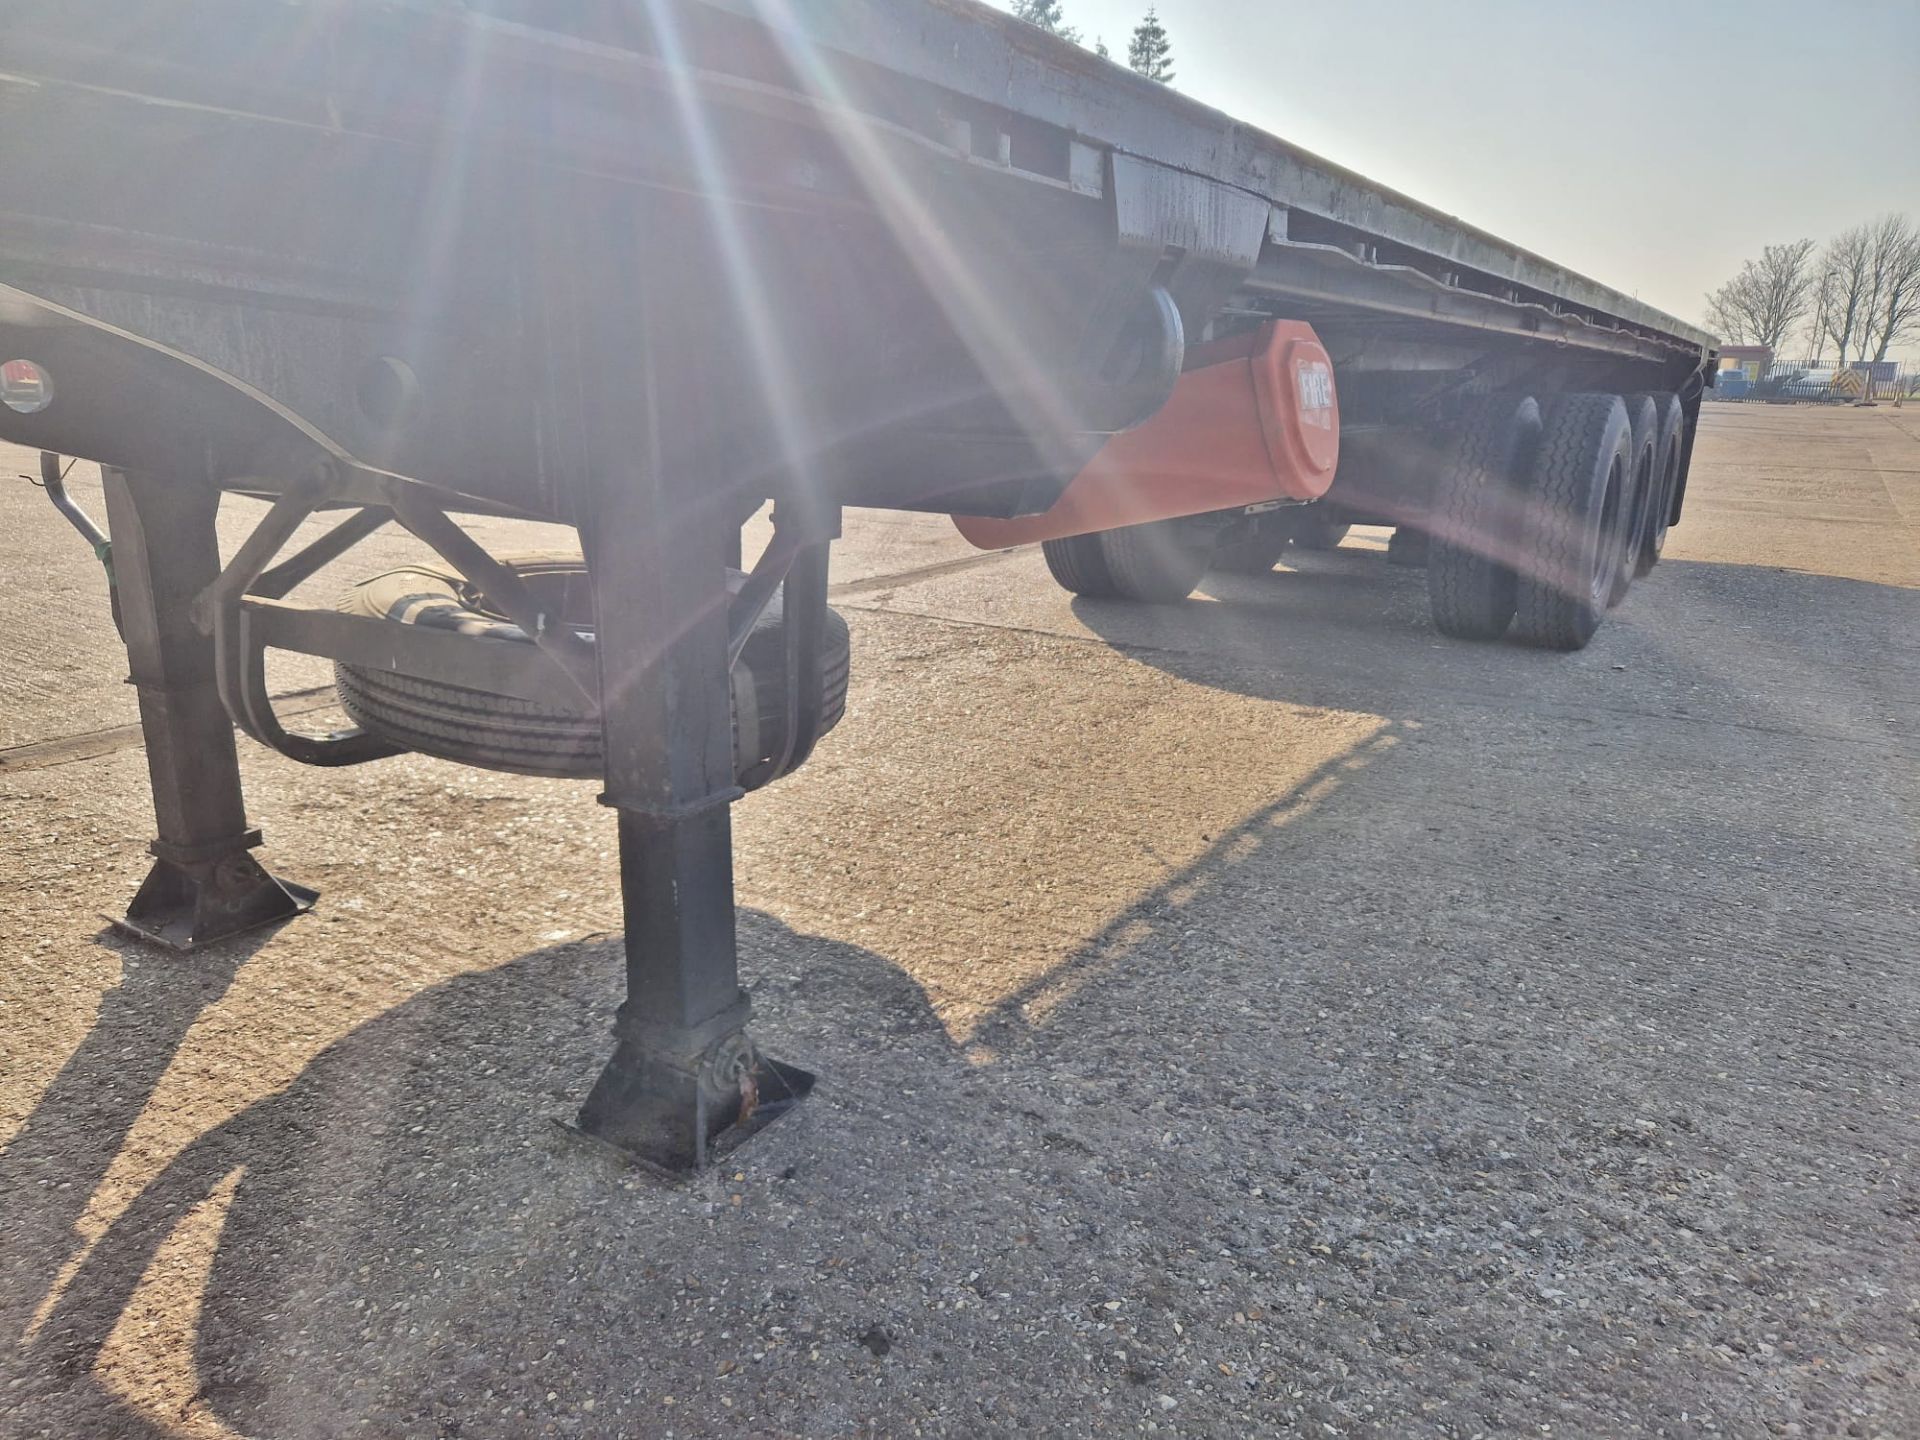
{"x": 100, "y": 1094}
{"x": 1699, "y": 642}
{"x": 1425, "y": 1099}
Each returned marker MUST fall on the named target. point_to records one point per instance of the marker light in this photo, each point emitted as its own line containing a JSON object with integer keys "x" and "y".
{"x": 25, "y": 387}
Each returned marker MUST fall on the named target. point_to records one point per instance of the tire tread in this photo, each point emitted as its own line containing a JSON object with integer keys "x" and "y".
{"x": 1078, "y": 566}
{"x": 1553, "y": 606}
{"x": 1154, "y": 563}
{"x": 1471, "y": 592}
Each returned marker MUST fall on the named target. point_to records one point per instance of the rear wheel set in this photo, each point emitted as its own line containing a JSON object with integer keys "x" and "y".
{"x": 1542, "y": 516}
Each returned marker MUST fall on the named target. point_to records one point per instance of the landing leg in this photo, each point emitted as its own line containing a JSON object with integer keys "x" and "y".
{"x": 668, "y": 463}
{"x": 204, "y": 886}
{"x": 685, "y": 1080}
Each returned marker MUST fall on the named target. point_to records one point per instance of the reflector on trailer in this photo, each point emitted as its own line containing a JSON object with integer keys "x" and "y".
{"x": 25, "y": 387}
{"x": 1254, "y": 418}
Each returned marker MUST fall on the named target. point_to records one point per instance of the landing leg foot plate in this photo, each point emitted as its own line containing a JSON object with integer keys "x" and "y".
{"x": 679, "y": 1115}
{"x": 189, "y": 906}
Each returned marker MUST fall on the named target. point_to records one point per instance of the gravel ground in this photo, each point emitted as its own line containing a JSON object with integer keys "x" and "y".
{"x": 1254, "y": 1016}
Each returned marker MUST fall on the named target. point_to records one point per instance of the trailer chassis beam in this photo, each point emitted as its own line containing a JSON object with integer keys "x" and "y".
{"x": 1331, "y": 279}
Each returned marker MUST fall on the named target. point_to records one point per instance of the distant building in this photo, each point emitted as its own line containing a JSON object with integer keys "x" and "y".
{"x": 1755, "y": 362}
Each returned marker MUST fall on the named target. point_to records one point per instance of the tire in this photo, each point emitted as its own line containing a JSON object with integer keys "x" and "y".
{"x": 1644, "y": 415}
{"x": 1257, "y": 552}
{"x": 1572, "y": 525}
{"x": 1689, "y": 432}
{"x": 1153, "y": 563}
{"x": 1477, "y": 506}
{"x": 1079, "y": 566}
{"x": 499, "y": 732}
{"x": 1317, "y": 532}
{"x": 1669, "y": 449}
{"x": 1253, "y": 554}
{"x": 1409, "y": 548}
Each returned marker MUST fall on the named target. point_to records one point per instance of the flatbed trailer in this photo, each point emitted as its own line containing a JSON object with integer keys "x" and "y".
{"x": 642, "y": 268}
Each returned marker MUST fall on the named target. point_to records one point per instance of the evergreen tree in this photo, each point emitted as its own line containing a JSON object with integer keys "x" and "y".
{"x": 1047, "y": 15}
{"x": 1150, "y": 52}
{"x": 1100, "y": 48}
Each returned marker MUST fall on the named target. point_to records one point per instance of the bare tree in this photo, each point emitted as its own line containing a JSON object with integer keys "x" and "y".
{"x": 1725, "y": 318}
{"x": 1822, "y": 309}
{"x": 1846, "y": 276}
{"x": 1893, "y": 310}
{"x": 1771, "y": 295}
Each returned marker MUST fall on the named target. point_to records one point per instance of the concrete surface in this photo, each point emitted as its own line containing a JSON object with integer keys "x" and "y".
{"x": 1253, "y": 1016}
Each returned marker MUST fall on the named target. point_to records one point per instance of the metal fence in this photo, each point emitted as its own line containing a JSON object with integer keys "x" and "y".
{"x": 1818, "y": 382}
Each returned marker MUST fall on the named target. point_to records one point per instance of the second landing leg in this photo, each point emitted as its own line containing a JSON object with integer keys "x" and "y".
{"x": 204, "y": 885}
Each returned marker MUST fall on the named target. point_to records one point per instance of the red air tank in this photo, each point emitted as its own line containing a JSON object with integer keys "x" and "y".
{"x": 1252, "y": 418}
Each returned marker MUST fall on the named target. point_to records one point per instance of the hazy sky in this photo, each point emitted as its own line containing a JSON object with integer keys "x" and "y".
{"x": 1648, "y": 145}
